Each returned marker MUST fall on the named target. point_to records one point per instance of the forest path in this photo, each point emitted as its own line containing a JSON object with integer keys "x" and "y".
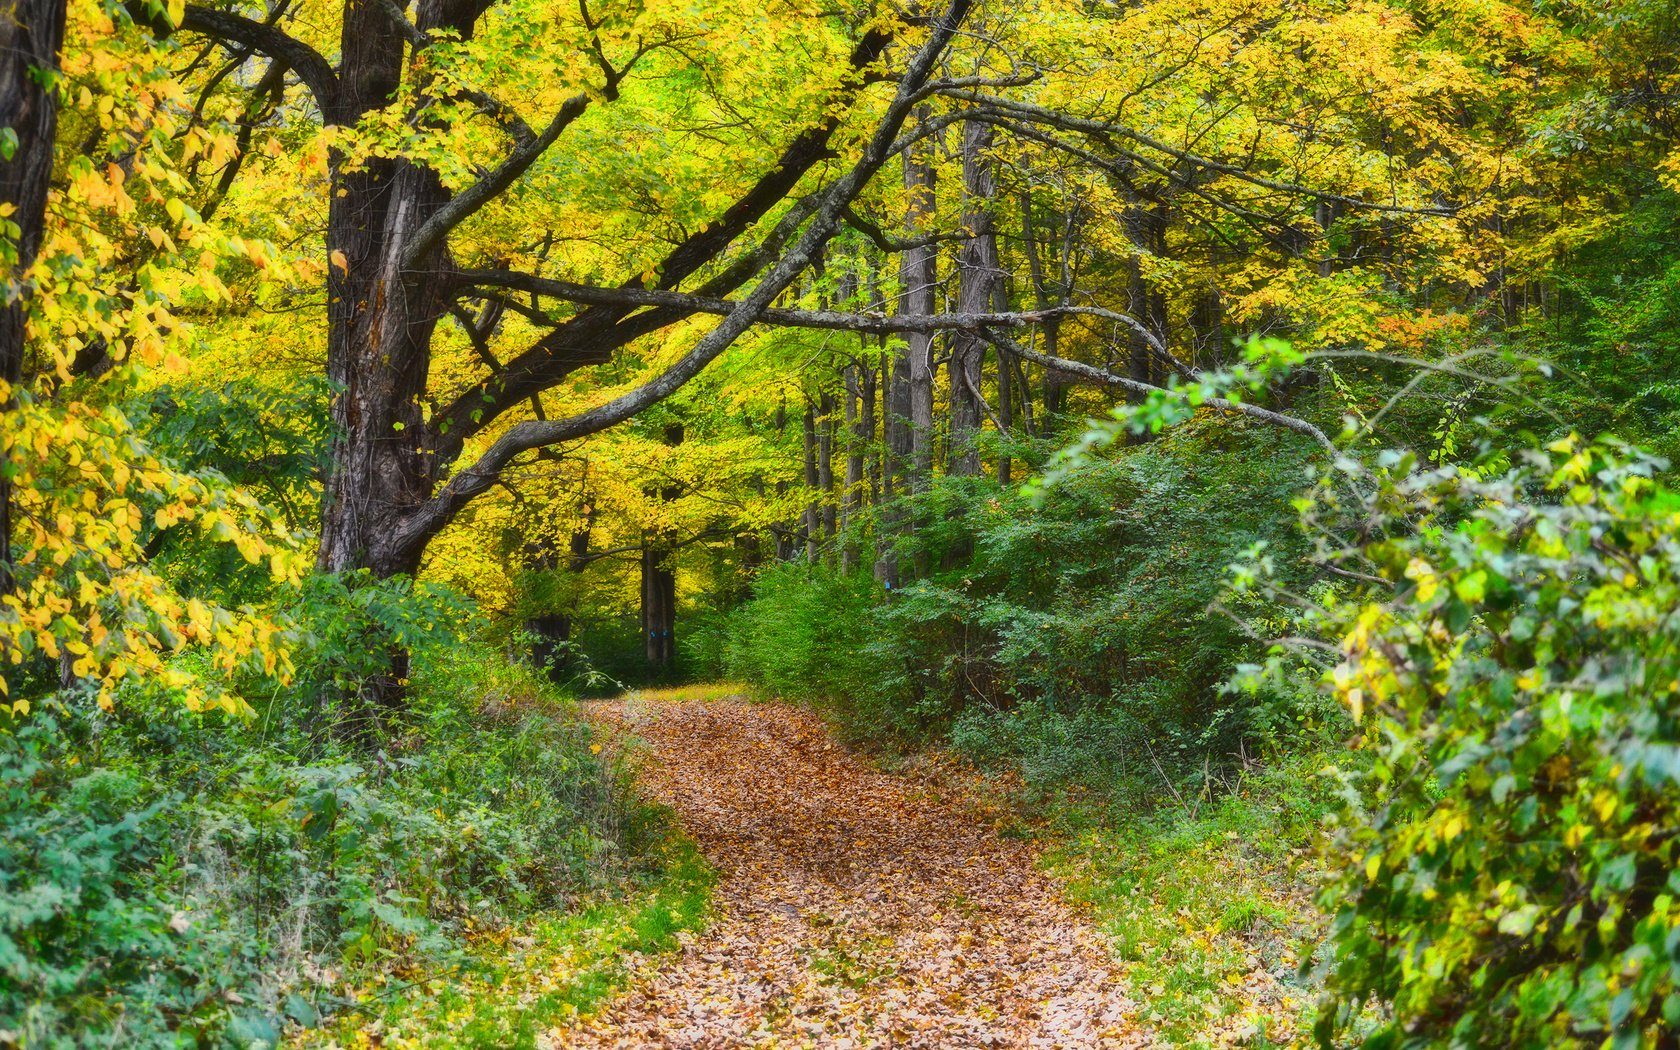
{"x": 855, "y": 908}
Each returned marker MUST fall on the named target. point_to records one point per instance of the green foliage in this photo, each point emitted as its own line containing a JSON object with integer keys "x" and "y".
{"x": 1205, "y": 898}
{"x": 786, "y": 638}
{"x": 263, "y": 436}
{"x": 1506, "y": 865}
{"x": 1068, "y": 632}
{"x": 91, "y": 942}
{"x": 170, "y": 877}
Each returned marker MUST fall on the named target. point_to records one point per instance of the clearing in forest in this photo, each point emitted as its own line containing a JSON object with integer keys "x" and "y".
{"x": 855, "y": 908}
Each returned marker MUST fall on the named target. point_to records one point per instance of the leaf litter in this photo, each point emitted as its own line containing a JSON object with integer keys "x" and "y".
{"x": 855, "y": 908}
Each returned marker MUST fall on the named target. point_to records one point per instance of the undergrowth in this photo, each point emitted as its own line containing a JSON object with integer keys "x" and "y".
{"x": 1206, "y": 899}
{"x": 178, "y": 879}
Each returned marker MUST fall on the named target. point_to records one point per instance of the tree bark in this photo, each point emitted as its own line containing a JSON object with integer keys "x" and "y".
{"x": 1054, "y": 387}
{"x": 857, "y": 444}
{"x": 659, "y": 583}
{"x": 825, "y": 466}
{"x": 909, "y": 410}
{"x": 919, "y": 278}
{"x": 979, "y": 279}
{"x": 812, "y": 520}
{"x": 553, "y": 627}
{"x": 31, "y": 37}
{"x": 659, "y": 607}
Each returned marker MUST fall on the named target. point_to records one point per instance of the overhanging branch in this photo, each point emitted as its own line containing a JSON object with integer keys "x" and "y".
{"x": 462, "y": 206}
{"x": 430, "y": 517}
{"x": 315, "y": 71}
{"x": 1091, "y": 373}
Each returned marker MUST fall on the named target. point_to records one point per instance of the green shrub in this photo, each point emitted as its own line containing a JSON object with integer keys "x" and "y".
{"x": 810, "y": 633}
{"x": 1507, "y": 864}
{"x": 174, "y": 879}
{"x": 1071, "y": 634}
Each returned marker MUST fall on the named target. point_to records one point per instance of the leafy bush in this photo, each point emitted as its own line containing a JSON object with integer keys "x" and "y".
{"x": 1070, "y": 634}
{"x": 92, "y": 943}
{"x": 352, "y": 630}
{"x": 1507, "y": 864}
{"x": 169, "y": 878}
{"x": 810, "y": 633}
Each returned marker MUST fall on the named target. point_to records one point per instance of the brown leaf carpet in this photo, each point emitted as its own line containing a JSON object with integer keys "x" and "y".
{"x": 855, "y": 908}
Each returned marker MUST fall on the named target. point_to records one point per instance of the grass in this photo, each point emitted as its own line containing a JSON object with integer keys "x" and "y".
{"x": 1208, "y": 908}
{"x": 523, "y": 982}
{"x": 676, "y": 694}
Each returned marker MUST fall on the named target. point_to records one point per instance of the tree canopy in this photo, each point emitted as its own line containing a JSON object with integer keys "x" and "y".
{"x": 1144, "y": 392}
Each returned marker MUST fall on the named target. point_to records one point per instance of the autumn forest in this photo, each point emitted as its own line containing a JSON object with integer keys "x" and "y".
{"x": 622, "y": 523}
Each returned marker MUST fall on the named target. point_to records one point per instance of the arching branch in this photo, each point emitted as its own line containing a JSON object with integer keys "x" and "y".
{"x": 436, "y": 512}
{"x": 315, "y": 71}
{"x": 1080, "y": 370}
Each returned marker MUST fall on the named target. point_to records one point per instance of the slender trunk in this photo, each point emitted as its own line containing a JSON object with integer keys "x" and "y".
{"x": 825, "y": 467}
{"x": 31, "y": 36}
{"x": 910, "y": 398}
{"x": 1054, "y": 387}
{"x": 979, "y": 273}
{"x": 659, "y": 606}
{"x": 659, "y": 583}
{"x": 919, "y": 276}
{"x": 813, "y": 519}
{"x": 871, "y": 444}
{"x": 783, "y": 534}
{"x": 1006, "y": 413}
{"x": 1146, "y": 229}
{"x": 851, "y": 498}
{"x": 552, "y": 628}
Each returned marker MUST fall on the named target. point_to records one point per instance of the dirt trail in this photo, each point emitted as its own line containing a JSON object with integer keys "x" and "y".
{"x": 855, "y": 908}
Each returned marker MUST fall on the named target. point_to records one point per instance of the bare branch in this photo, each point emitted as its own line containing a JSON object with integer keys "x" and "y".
{"x": 1042, "y": 115}
{"x": 315, "y": 71}
{"x": 464, "y": 204}
{"x": 871, "y": 322}
{"x": 1100, "y": 375}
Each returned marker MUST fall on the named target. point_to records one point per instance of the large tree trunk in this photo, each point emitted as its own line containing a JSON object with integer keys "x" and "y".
{"x": 31, "y": 36}
{"x": 380, "y": 317}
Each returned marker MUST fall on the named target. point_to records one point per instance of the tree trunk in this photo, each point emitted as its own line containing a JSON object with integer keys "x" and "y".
{"x": 851, "y": 498}
{"x": 659, "y": 583}
{"x": 659, "y": 606}
{"x": 813, "y": 519}
{"x": 553, "y": 628}
{"x": 1054, "y": 387}
{"x": 1006, "y": 412}
{"x": 979, "y": 274}
{"x": 825, "y": 466}
{"x": 919, "y": 280}
{"x": 910, "y": 396}
{"x": 31, "y": 36}
{"x": 380, "y": 319}
{"x": 872, "y": 451}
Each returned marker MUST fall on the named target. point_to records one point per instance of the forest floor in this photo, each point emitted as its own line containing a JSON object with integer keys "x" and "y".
{"x": 854, "y": 907}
